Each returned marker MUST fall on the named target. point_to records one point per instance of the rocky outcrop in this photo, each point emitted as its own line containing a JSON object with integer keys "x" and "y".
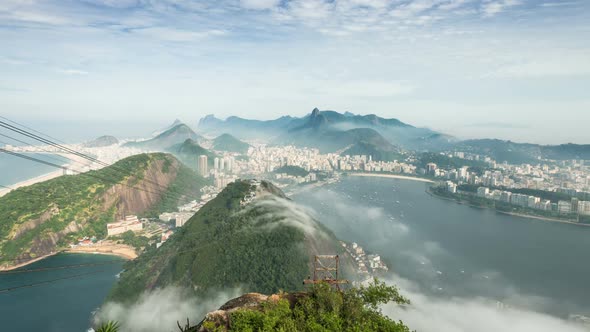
{"x": 28, "y": 225}
{"x": 137, "y": 196}
{"x": 220, "y": 318}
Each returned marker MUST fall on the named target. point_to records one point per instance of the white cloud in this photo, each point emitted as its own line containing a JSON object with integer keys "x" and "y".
{"x": 177, "y": 35}
{"x": 559, "y": 4}
{"x": 414, "y": 8}
{"x": 492, "y": 7}
{"x": 37, "y": 17}
{"x": 454, "y": 4}
{"x": 430, "y": 314}
{"x": 161, "y": 309}
{"x": 310, "y": 9}
{"x": 114, "y": 3}
{"x": 259, "y": 4}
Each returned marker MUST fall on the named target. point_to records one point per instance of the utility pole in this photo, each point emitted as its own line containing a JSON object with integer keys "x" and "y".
{"x": 325, "y": 270}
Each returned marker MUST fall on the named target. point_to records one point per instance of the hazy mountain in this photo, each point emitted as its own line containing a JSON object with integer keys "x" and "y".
{"x": 250, "y": 236}
{"x": 516, "y": 153}
{"x": 175, "y": 135}
{"x": 101, "y": 142}
{"x": 227, "y": 142}
{"x": 394, "y": 130}
{"x": 174, "y": 124}
{"x": 39, "y": 219}
{"x": 245, "y": 128}
{"x": 319, "y": 131}
{"x": 189, "y": 151}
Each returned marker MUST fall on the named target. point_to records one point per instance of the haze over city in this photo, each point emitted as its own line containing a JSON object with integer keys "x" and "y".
{"x": 508, "y": 69}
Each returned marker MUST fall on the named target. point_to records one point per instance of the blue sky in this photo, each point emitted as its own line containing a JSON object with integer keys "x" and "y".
{"x": 511, "y": 69}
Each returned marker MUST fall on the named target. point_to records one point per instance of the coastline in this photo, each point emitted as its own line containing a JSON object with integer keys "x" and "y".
{"x": 120, "y": 250}
{"x": 522, "y": 215}
{"x": 392, "y": 176}
{"x": 29, "y": 182}
{"x": 14, "y": 267}
{"x": 46, "y": 176}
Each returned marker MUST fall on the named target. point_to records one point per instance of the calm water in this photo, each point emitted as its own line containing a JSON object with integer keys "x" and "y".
{"x": 14, "y": 169}
{"x": 455, "y": 250}
{"x": 60, "y": 306}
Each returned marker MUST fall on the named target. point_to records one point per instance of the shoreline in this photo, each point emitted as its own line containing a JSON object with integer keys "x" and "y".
{"x": 392, "y": 176}
{"x": 120, "y": 250}
{"x": 47, "y": 176}
{"x": 515, "y": 214}
{"x": 32, "y": 181}
{"x": 14, "y": 267}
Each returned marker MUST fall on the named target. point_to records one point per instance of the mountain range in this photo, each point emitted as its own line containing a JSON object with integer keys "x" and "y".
{"x": 379, "y": 137}
{"x": 177, "y": 134}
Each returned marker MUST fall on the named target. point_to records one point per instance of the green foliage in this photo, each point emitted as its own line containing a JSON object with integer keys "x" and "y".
{"x": 184, "y": 188}
{"x": 227, "y": 142}
{"x": 378, "y": 152}
{"x": 543, "y": 194}
{"x": 189, "y": 151}
{"x": 325, "y": 309}
{"x": 108, "y": 327}
{"x": 133, "y": 240}
{"x": 291, "y": 170}
{"x": 222, "y": 246}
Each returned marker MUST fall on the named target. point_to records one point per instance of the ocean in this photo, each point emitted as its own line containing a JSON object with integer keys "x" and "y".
{"x": 14, "y": 169}
{"x": 56, "y": 305}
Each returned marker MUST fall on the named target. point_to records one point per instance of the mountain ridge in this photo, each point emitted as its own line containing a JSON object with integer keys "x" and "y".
{"x": 250, "y": 236}
{"x": 37, "y": 220}
{"x": 176, "y": 134}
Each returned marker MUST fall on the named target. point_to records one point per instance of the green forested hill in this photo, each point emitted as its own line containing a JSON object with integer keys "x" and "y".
{"x": 189, "y": 151}
{"x": 227, "y": 142}
{"x": 264, "y": 246}
{"x": 38, "y": 219}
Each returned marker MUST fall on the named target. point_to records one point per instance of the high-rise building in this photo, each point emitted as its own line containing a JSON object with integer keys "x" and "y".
{"x": 430, "y": 168}
{"x": 216, "y": 163}
{"x": 202, "y": 165}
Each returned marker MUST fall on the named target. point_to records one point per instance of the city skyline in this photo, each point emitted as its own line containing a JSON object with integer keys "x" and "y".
{"x": 507, "y": 69}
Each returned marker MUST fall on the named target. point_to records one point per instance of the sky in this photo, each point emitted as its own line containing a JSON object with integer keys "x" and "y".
{"x": 509, "y": 69}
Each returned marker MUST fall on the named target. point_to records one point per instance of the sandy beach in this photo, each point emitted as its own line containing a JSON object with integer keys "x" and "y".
{"x": 106, "y": 248}
{"x": 41, "y": 178}
{"x": 391, "y": 176}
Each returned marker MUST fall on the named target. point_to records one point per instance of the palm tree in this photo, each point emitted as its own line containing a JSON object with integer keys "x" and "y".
{"x": 109, "y": 327}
